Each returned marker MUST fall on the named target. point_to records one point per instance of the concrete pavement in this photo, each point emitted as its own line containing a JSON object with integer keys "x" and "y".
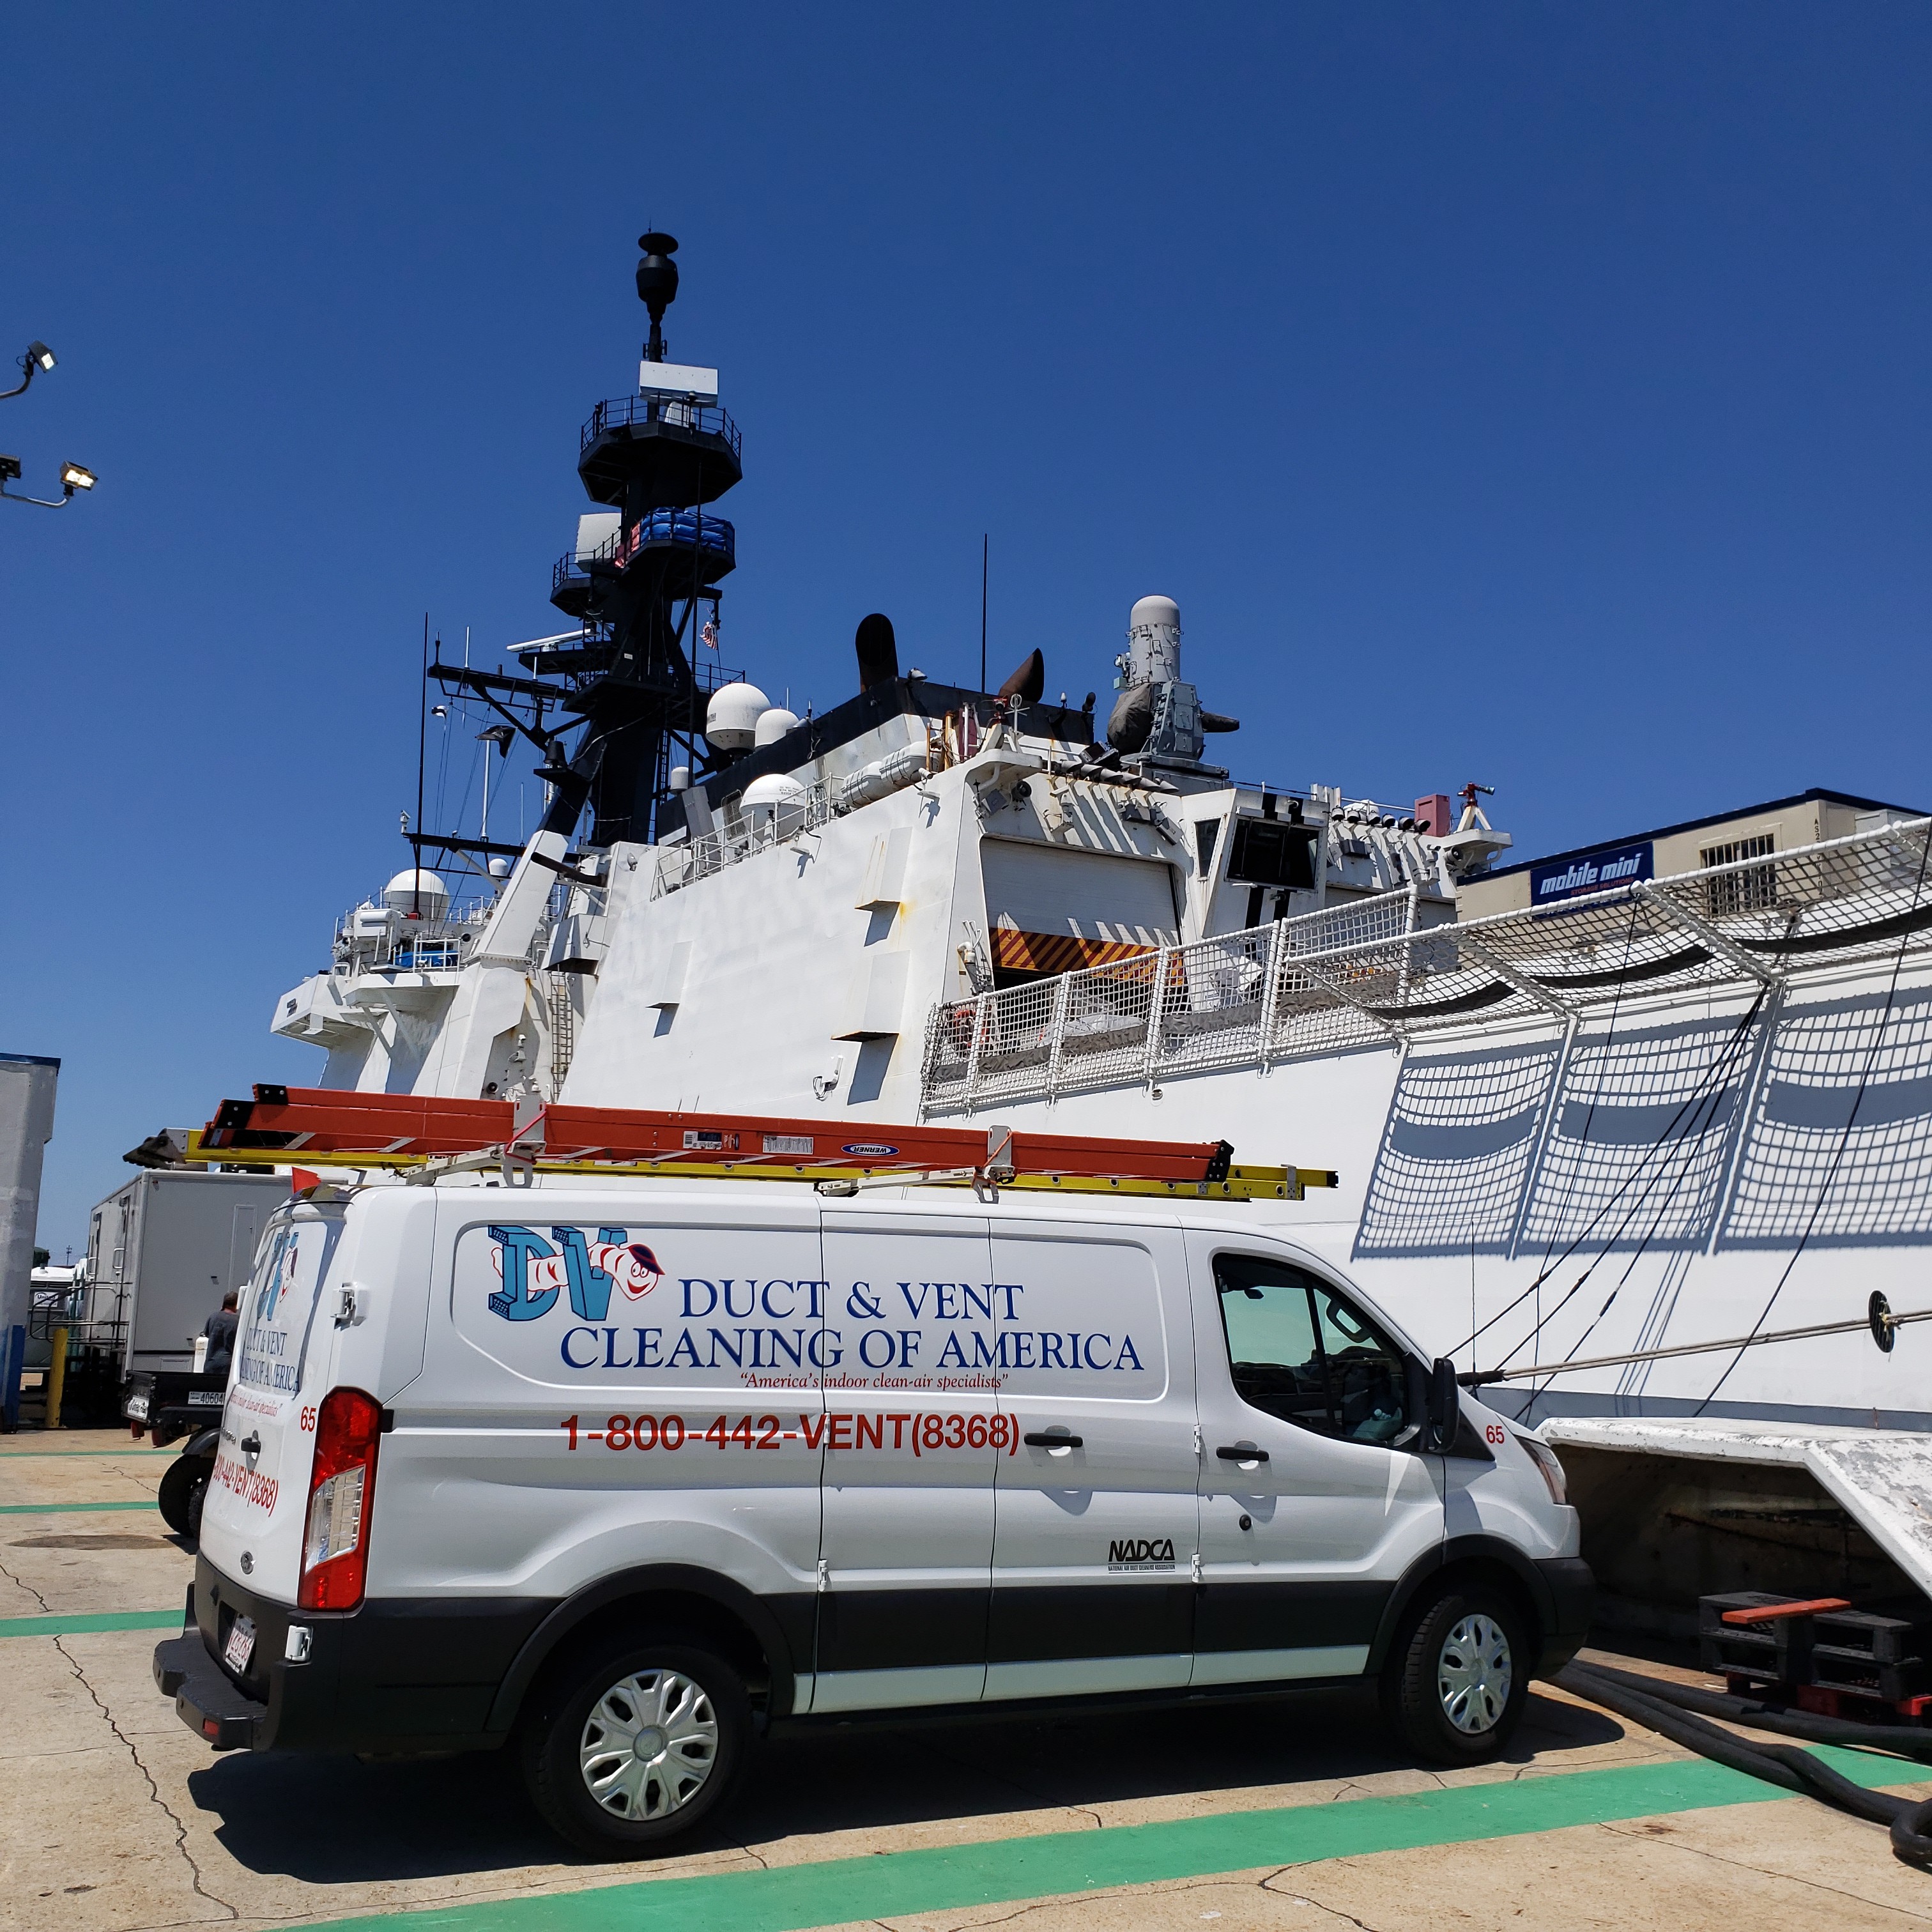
{"x": 1289, "y": 1814}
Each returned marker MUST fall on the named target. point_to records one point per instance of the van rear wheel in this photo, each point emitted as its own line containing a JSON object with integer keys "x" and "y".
{"x": 637, "y": 1746}
{"x": 1454, "y": 1691}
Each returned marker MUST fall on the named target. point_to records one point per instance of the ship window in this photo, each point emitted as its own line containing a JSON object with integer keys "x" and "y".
{"x": 1751, "y": 889}
{"x": 1272, "y": 852}
{"x": 1206, "y": 831}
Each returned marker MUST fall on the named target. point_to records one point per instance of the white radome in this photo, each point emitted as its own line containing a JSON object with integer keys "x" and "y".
{"x": 731, "y": 718}
{"x": 773, "y": 724}
{"x": 410, "y": 888}
{"x": 775, "y": 798}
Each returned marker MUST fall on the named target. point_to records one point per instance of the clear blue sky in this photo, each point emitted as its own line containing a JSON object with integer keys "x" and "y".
{"x": 1533, "y": 394}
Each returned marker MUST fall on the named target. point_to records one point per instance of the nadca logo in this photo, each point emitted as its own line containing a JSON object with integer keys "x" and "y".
{"x": 1143, "y": 1553}
{"x": 535, "y": 1272}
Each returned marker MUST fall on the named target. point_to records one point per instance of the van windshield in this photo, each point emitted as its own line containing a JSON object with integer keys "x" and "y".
{"x": 279, "y": 1309}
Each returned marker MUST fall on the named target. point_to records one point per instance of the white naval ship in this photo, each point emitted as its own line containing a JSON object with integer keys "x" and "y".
{"x": 1650, "y": 1105}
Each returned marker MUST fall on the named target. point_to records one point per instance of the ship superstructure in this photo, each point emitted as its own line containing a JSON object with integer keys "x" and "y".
{"x": 1637, "y": 1111}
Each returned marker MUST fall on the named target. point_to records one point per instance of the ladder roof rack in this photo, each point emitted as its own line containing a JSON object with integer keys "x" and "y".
{"x": 421, "y": 1138}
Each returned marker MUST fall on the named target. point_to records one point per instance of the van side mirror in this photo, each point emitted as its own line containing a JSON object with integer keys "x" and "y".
{"x": 1445, "y": 1407}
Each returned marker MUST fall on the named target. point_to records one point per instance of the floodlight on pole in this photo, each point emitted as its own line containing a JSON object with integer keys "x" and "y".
{"x": 38, "y": 356}
{"x": 73, "y": 476}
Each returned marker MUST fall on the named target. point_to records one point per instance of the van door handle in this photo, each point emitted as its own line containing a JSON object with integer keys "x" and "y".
{"x": 251, "y": 1443}
{"x": 1248, "y": 1457}
{"x": 1038, "y": 1441}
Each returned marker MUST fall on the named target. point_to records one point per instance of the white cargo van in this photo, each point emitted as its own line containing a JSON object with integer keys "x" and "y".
{"x": 623, "y": 1477}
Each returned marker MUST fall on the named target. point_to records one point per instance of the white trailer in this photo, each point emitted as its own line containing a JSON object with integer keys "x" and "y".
{"x": 162, "y": 1251}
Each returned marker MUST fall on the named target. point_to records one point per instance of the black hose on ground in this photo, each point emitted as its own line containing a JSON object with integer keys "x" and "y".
{"x": 1912, "y": 1835}
{"x": 1902, "y": 1740}
{"x": 1785, "y": 1765}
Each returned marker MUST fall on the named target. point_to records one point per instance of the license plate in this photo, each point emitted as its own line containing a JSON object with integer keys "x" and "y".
{"x": 136, "y": 1410}
{"x": 241, "y": 1646}
{"x": 202, "y": 1398}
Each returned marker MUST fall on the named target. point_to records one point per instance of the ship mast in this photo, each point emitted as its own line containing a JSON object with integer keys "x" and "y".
{"x": 637, "y": 580}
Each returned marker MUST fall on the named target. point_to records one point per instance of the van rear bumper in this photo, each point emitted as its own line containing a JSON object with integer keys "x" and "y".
{"x": 206, "y": 1699}
{"x": 401, "y": 1674}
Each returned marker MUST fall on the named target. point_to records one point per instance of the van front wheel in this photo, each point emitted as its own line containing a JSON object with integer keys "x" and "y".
{"x": 637, "y": 1746}
{"x": 1454, "y": 1691}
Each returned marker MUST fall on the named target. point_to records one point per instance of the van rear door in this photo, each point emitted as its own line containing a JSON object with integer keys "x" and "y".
{"x": 258, "y": 1494}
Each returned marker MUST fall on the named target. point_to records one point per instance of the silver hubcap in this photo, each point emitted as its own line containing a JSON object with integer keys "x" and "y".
{"x": 649, "y": 1745}
{"x": 1473, "y": 1674}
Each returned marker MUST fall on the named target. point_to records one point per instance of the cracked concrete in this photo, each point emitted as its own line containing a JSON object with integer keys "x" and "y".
{"x": 117, "y": 1820}
{"x": 153, "y": 1790}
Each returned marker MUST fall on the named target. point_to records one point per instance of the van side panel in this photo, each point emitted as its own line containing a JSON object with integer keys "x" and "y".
{"x": 910, "y": 1399}
{"x": 609, "y": 1384}
{"x": 1096, "y": 1541}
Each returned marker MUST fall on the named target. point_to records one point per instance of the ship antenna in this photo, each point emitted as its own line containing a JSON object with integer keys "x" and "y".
{"x": 985, "y": 556}
{"x": 422, "y": 751}
{"x": 657, "y": 285}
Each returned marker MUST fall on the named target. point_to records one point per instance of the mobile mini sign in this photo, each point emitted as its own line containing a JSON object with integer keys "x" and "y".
{"x": 1560, "y": 879}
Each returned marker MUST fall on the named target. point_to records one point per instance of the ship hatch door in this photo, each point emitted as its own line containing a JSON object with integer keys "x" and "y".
{"x": 1053, "y": 911}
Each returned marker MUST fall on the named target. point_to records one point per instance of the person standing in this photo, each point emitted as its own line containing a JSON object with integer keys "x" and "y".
{"x": 220, "y": 1329}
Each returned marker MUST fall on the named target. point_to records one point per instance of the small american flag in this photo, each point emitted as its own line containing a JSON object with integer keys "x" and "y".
{"x": 710, "y": 634}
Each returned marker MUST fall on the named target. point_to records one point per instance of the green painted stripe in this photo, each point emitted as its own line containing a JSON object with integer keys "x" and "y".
{"x": 67, "y": 1509}
{"x": 837, "y": 1891}
{"x": 78, "y": 1623}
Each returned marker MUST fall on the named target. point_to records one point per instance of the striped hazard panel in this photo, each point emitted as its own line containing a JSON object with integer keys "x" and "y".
{"x": 1059, "y": 951}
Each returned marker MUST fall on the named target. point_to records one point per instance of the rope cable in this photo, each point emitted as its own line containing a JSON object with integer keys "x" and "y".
{"x": 1596, "y": 1092}
{"x": 1663, "y": 1139}
{"x": 1570, "y": 1182}
{"x": 1724, "y": 1064}
{"x": 1844, "y": 1137}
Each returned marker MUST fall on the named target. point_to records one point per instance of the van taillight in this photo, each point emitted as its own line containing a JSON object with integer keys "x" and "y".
{"x": 335, "y": 1539}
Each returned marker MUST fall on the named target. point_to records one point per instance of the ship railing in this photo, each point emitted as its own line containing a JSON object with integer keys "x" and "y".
{"x": 366, "y": 942}
{"x": 744, "y": 834}
{"x": 1369, "y": 972}
{"x": 686, "y": 530}
{"x": 706, "y": 418}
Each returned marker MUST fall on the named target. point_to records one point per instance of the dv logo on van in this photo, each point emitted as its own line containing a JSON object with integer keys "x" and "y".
{"x": 1141, "y": 1553}
{"x": 535, "y": 1272}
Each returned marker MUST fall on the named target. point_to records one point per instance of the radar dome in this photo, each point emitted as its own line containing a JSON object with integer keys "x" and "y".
{"x": 774, "y": 800}
{"x": 773, "y": 724}
{"x": 731, "y": 718}
{"x": 414, "y": 890}
{"x": 774, "y": 788}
